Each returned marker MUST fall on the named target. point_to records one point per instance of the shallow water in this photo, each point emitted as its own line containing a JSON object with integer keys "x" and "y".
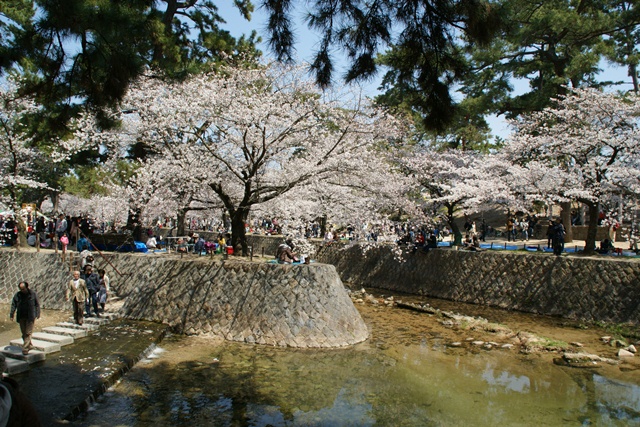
{"x": 405, "y": 375}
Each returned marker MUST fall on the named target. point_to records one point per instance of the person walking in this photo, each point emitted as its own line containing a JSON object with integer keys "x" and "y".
{"x": 92, "y": 281}
{"x": 26, "y": 308}
{"x": 77, "y": 288}
{"x": 104, "y": 289}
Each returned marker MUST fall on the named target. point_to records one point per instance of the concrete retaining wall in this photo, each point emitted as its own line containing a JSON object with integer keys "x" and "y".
{"x": 296, "y": 306}
{"x": 44, "y": 271}
{"x": 590, "y": 289}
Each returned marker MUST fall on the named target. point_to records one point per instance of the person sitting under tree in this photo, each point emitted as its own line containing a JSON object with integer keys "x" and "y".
{"x": 284, "y": 253}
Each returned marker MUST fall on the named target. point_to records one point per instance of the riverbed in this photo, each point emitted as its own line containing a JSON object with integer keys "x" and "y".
{"x": 416, "y": 369}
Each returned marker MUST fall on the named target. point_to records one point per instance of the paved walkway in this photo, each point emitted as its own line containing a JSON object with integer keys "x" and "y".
{"x": 542, "y": 243}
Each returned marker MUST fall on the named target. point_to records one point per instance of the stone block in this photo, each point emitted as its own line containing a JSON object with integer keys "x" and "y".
{"x": 98, "y": 321}
{"x": 72, "y": 332}
{"x": 15, "y": 352}
{"x": 85, "y": 327}
{"x": 43, "y": 346}
{"x": 15, "y": 366}
{"x": 54, "y": 338}
{"x": 110, "y": 316}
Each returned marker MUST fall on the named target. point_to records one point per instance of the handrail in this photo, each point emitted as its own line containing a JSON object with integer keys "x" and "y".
{"x": 99, "y": 251}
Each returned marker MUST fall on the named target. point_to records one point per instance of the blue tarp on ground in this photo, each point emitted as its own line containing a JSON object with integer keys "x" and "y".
{"x": 140, "y": 247}
{"x": 573, "y": 249}
{"x": 444, "y": 244}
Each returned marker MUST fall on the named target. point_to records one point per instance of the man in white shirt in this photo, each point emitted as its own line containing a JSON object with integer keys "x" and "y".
{"x": 77, "y": 288}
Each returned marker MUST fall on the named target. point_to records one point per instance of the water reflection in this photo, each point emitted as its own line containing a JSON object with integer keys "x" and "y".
{"x": 410, "y": 378}
{"x": 617, "y": 400}
{"x": 517, "y": 383}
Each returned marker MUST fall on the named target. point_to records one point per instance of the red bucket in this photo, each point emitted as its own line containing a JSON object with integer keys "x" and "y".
{"x": 230, "y": 250}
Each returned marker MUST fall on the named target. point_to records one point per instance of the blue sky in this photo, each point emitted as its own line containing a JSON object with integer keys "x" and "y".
{"x": 306, "y": 42}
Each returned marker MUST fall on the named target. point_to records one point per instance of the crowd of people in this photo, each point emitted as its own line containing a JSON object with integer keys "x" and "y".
{"x": 192, "y": 242}
{"x": 523, "y": 228}
{"x": 66, "y": 230}
{"x": 73, "y": 232}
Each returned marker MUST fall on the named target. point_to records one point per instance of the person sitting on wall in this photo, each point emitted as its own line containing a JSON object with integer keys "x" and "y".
{"x": 209, "y": 247}
{"x": 199, "y": 245}
{"x": 432, "y": 241}
{"x": 606, "y": 247}
{"x": 181, "y": 245}
{"x": 471, "y": 243}
{"x": 222, "y": 243}
{"x": 284, "y": 253}
{"x": 151, "y": 243}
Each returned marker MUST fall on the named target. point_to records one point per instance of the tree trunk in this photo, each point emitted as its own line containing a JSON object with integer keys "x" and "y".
{"x": 21, "y": 241}
{"x": 457, "y": 234}
{"x": 133, "y": 223}
{"x": 323, "y": 226}
{"x": 55, "y": 201}
{"x": 182, "y": 215}
{"x": 565, "y": 216}
{"x": 590, "y": 243}
{"x": 238, "y": 236}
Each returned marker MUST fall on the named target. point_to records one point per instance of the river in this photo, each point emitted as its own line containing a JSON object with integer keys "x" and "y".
{"x": 409, "y": 373}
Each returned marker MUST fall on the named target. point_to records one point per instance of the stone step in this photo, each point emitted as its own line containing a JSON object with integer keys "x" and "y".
{"x": 110, "y": 315}
{"x": 43, "y": 346}
{"x": 55, "y": 338}
{"x": 15, "y": 352}
{"x": 99, "y": 321}
{"x": 71, "y": 332}
{"x": 85, "y": 327}
{"x": 15, "y": 366}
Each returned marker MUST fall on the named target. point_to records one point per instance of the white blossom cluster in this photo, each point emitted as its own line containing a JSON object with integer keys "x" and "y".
{"x": 262, "y": 140}
{"x": 268, "y": 143}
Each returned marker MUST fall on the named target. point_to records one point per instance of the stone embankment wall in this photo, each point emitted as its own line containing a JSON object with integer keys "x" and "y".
{"x": 583, "y": 288}
{"x": 44, "y": 271}
{"x": 284, "y": 305}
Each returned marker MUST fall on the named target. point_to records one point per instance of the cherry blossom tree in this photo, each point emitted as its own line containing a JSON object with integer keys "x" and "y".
{"x": 367, "y": 194}
{"x": 161, "y": 188}
{"x": 455, "y": 182}
{"x": 585, "y": 148}
{"x": 247, "y": 137}
{"x": 18, "y": 152}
